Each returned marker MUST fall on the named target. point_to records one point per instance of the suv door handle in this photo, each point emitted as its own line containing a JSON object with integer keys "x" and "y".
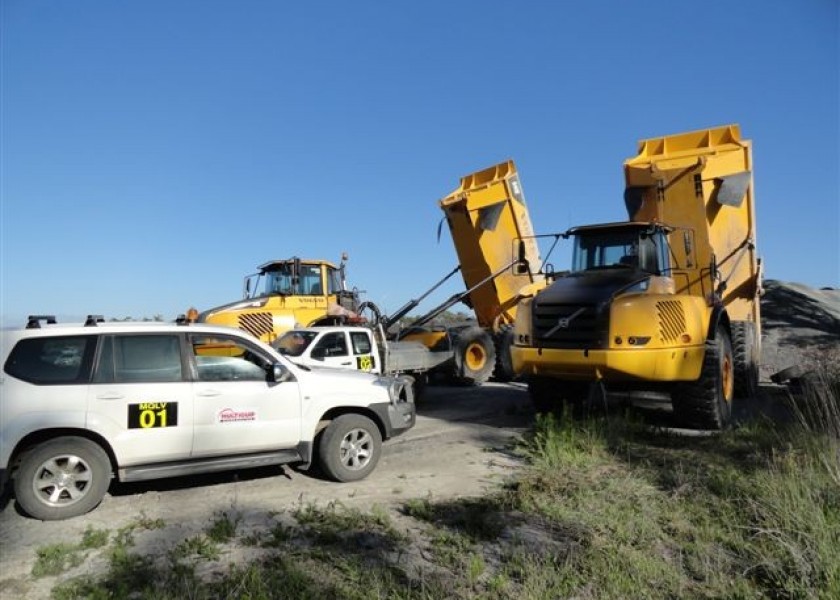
{"x": 208, "y": 393}
{"x": 110, "y": 396}
{"x": 346, "y": 364}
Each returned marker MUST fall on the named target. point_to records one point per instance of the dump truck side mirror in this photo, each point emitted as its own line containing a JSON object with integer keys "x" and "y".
{"x": 521, "y": 267}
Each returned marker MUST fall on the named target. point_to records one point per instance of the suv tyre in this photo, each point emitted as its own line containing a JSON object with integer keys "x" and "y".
{"x": 350, "y": 448}
{"x": 62, "y": 478}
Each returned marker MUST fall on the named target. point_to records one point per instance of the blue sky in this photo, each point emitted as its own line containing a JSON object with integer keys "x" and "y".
{"x": 153, "y": 153}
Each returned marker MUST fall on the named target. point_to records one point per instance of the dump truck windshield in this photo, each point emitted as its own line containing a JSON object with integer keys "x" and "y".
{"x": 282, "y": 280}
{"x": 612, "y": 248}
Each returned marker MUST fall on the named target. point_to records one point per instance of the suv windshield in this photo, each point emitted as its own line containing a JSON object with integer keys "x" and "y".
{"x": 294, "y": 343}
{"x": 629, "y": 248}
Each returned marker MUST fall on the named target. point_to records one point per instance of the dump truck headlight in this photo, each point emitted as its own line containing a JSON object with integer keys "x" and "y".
{"x": 522, "y": 325}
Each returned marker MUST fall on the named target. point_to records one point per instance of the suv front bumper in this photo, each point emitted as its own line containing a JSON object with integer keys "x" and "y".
{"x": 396, "y": 417}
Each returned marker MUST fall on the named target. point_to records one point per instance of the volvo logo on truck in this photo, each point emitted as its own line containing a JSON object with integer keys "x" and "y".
{"x": 564, "y": 322}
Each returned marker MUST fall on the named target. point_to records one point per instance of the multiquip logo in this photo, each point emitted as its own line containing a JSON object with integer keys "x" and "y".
{"x": 229, "y": 415}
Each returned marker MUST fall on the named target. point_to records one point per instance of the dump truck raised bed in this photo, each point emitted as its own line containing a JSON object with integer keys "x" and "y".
{"x": 666, "y": 301}
{"x": 488, "y": 220}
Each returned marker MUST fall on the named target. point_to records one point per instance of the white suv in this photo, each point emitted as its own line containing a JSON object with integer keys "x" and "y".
{"x": 84, "y": 403}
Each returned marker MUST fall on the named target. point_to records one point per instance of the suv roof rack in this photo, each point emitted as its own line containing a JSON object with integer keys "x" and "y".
{"x": 34, "y": 321}
{"x": 92, "y": 320}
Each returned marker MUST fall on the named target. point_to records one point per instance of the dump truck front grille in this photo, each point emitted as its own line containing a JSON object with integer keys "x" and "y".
{"x": 257, "y": 324}
{"x": 558, "y": 325}
{"x": 671, "y": 320}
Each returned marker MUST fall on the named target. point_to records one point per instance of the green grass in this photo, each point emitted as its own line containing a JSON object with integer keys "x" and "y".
{"x": 223, "y": 528}
{"x": 55, "y": 559}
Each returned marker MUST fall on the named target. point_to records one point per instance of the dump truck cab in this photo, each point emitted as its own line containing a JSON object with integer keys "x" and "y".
{"x": 288, "y": 293}
{"x": 294, "y": 277}
{"x": 640, "y": 247}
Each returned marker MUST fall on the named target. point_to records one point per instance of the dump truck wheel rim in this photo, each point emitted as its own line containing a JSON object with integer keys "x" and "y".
{"x": 728, "y": 377}
{"x": 475, "y": 357}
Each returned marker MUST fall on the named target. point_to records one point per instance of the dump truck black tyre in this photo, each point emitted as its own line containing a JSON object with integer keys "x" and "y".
{"x": 475, "y": 356}
{"x": 745, "y": 354}
{"x": 504, "y": 363}
{"x": 707, "y": 402}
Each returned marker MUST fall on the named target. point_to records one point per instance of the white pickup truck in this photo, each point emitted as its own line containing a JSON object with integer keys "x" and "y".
{"x": 358, "y": 348}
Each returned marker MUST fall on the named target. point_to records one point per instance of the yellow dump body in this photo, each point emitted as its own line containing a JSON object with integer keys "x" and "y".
{"x": 701, "y": 184}
{"x": 487, "y": 217}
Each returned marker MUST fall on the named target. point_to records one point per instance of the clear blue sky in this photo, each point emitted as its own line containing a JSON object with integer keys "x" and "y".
{"x": 154, "y": 153}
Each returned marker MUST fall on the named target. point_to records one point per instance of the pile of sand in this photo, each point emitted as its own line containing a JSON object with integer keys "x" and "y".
{"x": 800, "y": 325}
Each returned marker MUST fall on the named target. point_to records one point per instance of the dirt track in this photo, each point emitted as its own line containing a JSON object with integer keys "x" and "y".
{"x": 459, "y": 447}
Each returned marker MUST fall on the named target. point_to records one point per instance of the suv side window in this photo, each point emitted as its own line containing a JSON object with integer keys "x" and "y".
{"x": 52, "y": 360}
{"x": 222, "y": 358}
{"x": 141, "y": 358}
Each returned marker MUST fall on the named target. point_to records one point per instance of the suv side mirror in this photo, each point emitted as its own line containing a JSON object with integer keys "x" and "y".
{"x": 279, "y": 373}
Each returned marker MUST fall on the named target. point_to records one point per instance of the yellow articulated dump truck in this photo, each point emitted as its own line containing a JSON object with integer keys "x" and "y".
{"x": 289, "y": 293}
{"x": 667, "y": 301}
{"x": 487, "y": 219}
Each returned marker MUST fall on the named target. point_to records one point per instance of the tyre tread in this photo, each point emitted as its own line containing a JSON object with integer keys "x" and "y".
{"x": 746, "y": 367}
{"x": 696, "y": 403}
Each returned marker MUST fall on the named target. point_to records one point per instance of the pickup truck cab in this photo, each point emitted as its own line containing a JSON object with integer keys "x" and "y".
{"x": 83, "y": 404}
{"x": 340, "y": 347}
{"x": 361, "y": 349}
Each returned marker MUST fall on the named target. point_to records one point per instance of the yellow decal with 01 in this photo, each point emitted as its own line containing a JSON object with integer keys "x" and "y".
{"x": 152, "y": 415}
